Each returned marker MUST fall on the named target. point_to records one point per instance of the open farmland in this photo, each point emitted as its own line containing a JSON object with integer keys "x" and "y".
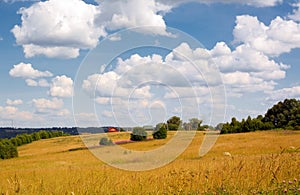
{"x": 260, "y": 162}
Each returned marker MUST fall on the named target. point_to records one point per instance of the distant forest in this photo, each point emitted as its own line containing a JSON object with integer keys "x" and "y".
{"x": 283, "y": 115}
{"x": 9, "y": 132}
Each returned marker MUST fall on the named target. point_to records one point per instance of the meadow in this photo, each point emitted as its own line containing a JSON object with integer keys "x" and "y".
{"x": 260, "y": 163}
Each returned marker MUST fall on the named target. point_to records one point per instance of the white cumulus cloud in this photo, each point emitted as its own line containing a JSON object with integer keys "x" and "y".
{"x": 13, "y": 113}
{"x": 61, "y": 86}
{"x": 281, "y": 36}
{"x": 60, "y": 29}
{"x": 280, "y": 94}
{"x": 133, "y": 13}
{"x": 27, "y": 71}
{"x": 40, "y": 83}
{"x": 56, "y": 28}
{"x": 256, "y": 3}
{"x": 10, "y": 102}
{"x": 296, "y": 12}
{"x": 43, "y": 105}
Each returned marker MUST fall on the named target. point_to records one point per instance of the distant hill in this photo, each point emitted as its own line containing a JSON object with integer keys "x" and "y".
{"x": 9, "y": 132}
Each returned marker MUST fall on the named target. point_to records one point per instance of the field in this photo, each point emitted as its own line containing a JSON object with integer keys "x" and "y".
{"x": 260, "y": 163}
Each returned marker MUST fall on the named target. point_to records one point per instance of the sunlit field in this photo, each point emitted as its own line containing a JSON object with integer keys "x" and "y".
{"x": 260, "y": 163}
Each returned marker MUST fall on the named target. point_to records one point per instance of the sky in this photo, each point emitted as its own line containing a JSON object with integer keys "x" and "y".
{"x": 139, "y": 62}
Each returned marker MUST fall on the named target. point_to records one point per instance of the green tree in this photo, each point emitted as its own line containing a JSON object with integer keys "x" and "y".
{"x": 161, "y": 131}
{"x": 174, "y": 123}
{"x": 195, "y": 123}
{"x": 104, "y": 141}
{"x": 138, "y": 134}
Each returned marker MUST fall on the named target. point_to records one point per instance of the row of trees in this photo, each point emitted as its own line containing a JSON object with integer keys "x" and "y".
{"x": 161, "y": 129}
{"x": 283, "y": 115}
{"x": 8, "y": 147}
{"x": 140, "y": 134}
{"x": 175, "y": 123}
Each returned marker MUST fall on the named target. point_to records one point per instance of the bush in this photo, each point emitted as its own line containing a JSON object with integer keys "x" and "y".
{"x": 138, "y": 134}
{"x": 104, "y": 141}
{"x": 7, "y": 149}
{"x": 161, "y": 131}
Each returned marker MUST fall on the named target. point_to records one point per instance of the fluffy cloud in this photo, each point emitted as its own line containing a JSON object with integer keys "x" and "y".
{"x": 40, "y": 83}
{"x": 26, "y": 71}
{"x": 13, "y": 113}
{"x": 133, "y": 13}
{"x": 60, "y": 29}
{"x": 256, "y": 3}
{"x": 32, "y": 50}
{"x": 281, "y": 36}
{"x": 279, "y": 95}
{"x": 10, "y": 102}
{"x": 61, "y": 86}
{"x": 43, "y": 105}
{"x": 296, "y": 12}
{"x": 243, "y": 70}
{"x": 14, "y": 1}
{"x": 246, "y": 59}
{"x": 57, "y": 28}
{"x": 103, "y": 84}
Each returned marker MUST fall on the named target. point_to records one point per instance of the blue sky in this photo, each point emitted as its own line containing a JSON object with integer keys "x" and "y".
{"x": 247, "y": 54}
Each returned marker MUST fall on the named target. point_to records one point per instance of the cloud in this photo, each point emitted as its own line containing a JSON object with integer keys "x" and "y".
{"x": 61, "y": 86}
{"x": 10, "y": 102}
{"x": 239, "y": 83}
{"x": 133, "y": 13}
{"x": 26, "y": 71}
{"x": 107, "y": 114}
{"x": 103, "y": 84}
{"x": 43, "y": 105}
{"x": 39, "y": 83}
{"x": 243, "y": 70}
{"x": 84, "y": 119}
{"x": 63, "y": 112}
{"x": 13, "y": 113}
{"x": 15, "y": 1}
{"x": 60, "y": 29}
{"x": 115, "y": 38}
{"x": 256, "y": 3}
{"x": 296, "y": 12}
{"x": 32, "y": 50}
{"x": 280, "y": 94}
{"x": 57, "y": 28}
{"x": 103, "y": 100}
{"x": 281, "y": 36}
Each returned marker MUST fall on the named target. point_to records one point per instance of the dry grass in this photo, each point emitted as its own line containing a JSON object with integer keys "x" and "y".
{"x": 261, "y": 163}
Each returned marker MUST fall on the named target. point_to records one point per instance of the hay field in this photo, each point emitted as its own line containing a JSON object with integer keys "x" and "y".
{"x": 260, "y": 163}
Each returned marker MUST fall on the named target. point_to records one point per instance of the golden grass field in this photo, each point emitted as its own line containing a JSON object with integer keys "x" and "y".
{"x": 261, "y": 163}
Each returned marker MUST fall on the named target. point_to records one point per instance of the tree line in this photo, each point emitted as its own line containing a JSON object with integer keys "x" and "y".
{"x": 8, "y": 147}
{"x": 9, "y": 132}
{"x": 161, "y": 129}
{"x": 283, "y": 115}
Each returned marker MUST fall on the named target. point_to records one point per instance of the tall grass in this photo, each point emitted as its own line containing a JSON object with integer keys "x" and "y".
{"x": 261, "y": 163}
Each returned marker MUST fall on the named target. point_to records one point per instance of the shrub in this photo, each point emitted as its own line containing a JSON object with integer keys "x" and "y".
{"x": 104, "y": 141}
{"x": 138, "y": 134}
{"x": 160, "y": 131}
{"x": 7, "y": 149}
